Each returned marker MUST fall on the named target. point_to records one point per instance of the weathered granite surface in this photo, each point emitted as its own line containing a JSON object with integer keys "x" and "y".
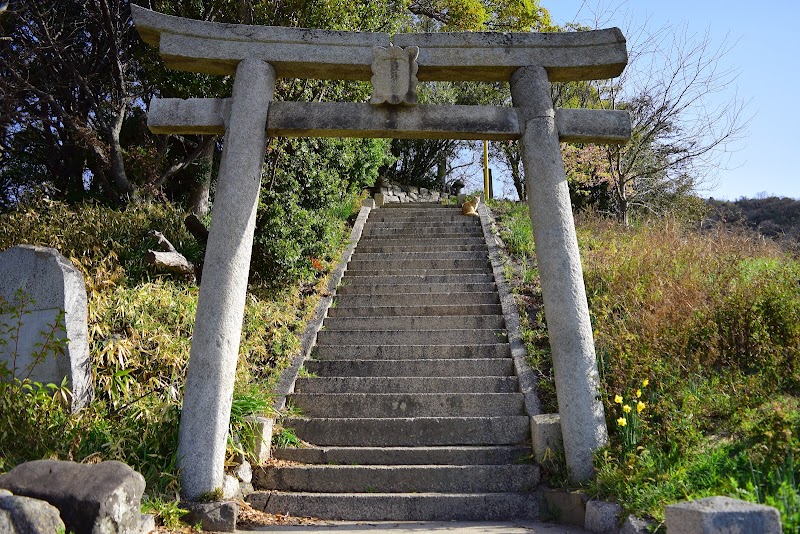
{"x": 546, "y": 435}
{"x": 24, "y": 515}
{"x": 51, "y": 284}
{"x": 722, "y": 515}
{"x": 394, "y": 75}
{"x": 635, "y": 525}
{"x": 569, "y": 326}
{"x": 220, "y": 308}
{"x": 393, "y": 193}
{"x": 98, "y": 498}
{"x": 352, "y": 119}
{"x": 567, "y": 506}
{"x": 212, "y": 516}
{"x": 216, "y": 48}
{"x": 602, "y": 517}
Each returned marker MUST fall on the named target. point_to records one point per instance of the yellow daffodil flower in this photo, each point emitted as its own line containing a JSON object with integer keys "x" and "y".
{"x": 618, "y": 399}
{"x": 640, "y": 406}
{"x": 638, "y": 393}
{"x": 626, "y": 409}
{"x": 645, "y": 382}
{"x": 622, "y": 421}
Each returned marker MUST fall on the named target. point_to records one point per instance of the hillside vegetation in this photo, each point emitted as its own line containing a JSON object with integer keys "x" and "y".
{"x": 140, "y": 328}
{"x": 775, "y": 217}
{"x": 698, "y": 344}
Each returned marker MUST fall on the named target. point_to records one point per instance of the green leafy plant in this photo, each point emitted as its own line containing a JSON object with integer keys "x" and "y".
{"x": 167, "y": 512}
{"x": 712, "y": 317}
{"x": 305, "y": 373}
{"x": 140, "y": 329}
{"x": 210, "y": 496}
{"x": 50, "y": 341}
{"x": 285, "y": 438}
{"x": 629, "y": 424}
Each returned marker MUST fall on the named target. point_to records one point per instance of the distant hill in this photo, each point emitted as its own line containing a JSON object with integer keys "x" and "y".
{"x": 775, "y": 217}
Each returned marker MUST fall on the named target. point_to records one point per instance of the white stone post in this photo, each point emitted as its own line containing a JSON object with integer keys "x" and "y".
{"x": 220, "y": 307}
{"x": 574, "y": 363}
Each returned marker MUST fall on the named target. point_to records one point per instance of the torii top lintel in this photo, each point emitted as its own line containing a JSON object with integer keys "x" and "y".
{"x": 216, "y": 48}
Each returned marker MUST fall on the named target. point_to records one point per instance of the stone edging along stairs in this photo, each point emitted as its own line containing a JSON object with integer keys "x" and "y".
{"x": 417, "y": 406}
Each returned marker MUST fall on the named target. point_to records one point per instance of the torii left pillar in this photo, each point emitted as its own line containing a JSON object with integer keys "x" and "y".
{"x": 220, "y": 305}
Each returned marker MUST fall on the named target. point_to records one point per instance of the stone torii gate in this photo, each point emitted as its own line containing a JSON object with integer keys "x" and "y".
{"x": 257, "y": 55}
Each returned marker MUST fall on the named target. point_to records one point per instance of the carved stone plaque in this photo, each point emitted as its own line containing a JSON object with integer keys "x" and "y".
{"x": 394, "y": 75}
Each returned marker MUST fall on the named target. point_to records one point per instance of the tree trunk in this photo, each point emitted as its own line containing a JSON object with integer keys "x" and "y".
{"x": 118, "y": 175}
{"x": 199, "y": 195}
{"x": 519, "y": 182}
{"x": 441, "y": 171}
{"x": 168, "y": 258}
{"x": 170, "y": 261}
{"x": 622, "y": 210}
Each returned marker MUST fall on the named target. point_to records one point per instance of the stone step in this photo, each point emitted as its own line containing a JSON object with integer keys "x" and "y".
{"x": 449, "y": 227}
{"x": 402, "y": 507}
{"x": 441, "y": 228}
{"x": 399, "y": 273}
{"x": 422, "y": 232}
{"x": 478, "y": 455}
{"x": 417, "y": 384}
{"x": 434, "y": 241}
{"x": 356, "y": 278}
{"x": 408, "y": 263}
{"x": 411, "y": 337}
{"x": 422, "y": 218}
{"x": 403, "y": 256}
{"x": 412, "y": 432}
{"x": 412, "y": 352}
{"x": 387, "y": 405}
{"x": 419, "y": 322}
{"x": 418, "y": 299}
{"x": 398, "y": 478}
{"x": 421, "y": 222}
{"x": 410, "y": 206}
{"x": 377, "y": 246}
{"x": 432, "y": 310}
{"x": 411, "y": 368}
{"x": 383, "y": 289}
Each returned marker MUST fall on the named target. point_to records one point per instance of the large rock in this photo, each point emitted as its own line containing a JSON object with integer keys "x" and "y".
{"x": 635, "y": 525}
{"x": 98, "y": 499}
{"x": 50, "y": 284}
{"x": 722, "y": 515}
{"x": 23, "y": 515}
{"x": 602, "y": 517}
{"x": 214, "y": 516}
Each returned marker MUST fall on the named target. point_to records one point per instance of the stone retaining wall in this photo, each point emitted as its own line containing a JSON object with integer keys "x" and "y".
{"x": 392, "y": 193}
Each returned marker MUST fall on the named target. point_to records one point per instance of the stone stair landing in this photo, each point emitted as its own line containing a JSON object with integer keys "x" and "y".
{"x": 413, "y": 410}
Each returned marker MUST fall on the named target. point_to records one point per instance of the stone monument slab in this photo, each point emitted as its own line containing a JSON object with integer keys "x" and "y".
{"x": 50, "y": 292}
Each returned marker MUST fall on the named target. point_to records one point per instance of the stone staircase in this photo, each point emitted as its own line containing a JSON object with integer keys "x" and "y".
{"x": 413, "y": 409}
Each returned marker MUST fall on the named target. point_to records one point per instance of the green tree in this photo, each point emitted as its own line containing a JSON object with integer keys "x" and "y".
{"x": 426, "y": 162}
{"x": 65, "y": 83}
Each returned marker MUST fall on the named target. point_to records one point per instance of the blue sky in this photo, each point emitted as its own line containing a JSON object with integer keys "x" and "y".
{"x": 767, "y": 54}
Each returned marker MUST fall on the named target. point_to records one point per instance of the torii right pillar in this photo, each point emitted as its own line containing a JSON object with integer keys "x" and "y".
{"x": 583, "y": 425}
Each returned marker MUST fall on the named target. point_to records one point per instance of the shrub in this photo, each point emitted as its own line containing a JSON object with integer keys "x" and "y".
{"x": 140, "y": 327}
{"x": 712, "y": 321}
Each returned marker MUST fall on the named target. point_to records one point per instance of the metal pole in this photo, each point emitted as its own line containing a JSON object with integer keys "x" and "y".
{"x": 486, "y": 191}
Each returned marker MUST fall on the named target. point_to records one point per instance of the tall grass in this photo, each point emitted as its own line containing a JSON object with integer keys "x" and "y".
{"x": 711, "y": 320}
{"x": 140, "y": 329}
